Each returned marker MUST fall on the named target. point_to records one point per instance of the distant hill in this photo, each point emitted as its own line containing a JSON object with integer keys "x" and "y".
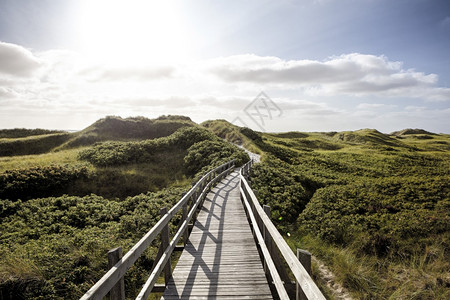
{"x": 110, "y": 128}
{"x": 410, "y": 131}
{"x": 114, "y": 128}
{"x": 32, "y": 144}
{"x": 23, "y": 132}
{"x": 367, "y": 136}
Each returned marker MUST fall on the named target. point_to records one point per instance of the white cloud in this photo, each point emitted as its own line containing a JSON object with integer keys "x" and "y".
{"x": 350, "y": 74}
{"x": 127, "y": 73}
{"x": 375, "y": 106}
{"x": 17, "y": 61}
{"x": 342, "y": 90}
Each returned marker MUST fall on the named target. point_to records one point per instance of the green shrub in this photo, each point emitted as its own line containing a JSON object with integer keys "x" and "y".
{"x": 209, "y": 154}
{"x": 38, "y": 181}
{"x": 119, "y": 153}
{"x": 55, "y": 248}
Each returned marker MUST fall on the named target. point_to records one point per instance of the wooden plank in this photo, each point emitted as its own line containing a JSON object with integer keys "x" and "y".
{"x": 235, "y": 297}
{"x": 266, "y": 254}
{"x": 148, "y": 286}
{"x": 116, "y": 273}
{"x": 221, "y": 259}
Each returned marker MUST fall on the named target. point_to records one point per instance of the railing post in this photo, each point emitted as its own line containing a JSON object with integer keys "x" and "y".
{"x": 305, "y": 259}
{"x": 118, "y": 291}
{"x": 164, "y": 245}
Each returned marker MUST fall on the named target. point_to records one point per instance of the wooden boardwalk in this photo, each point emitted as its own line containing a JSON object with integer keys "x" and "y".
{"x": 221, "y": 260}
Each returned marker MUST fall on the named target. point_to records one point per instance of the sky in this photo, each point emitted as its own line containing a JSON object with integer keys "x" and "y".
{"x": 284, "y": 65}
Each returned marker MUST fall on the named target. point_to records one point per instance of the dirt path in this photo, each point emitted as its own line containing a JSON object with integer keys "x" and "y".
{"x": 256, "y": 157}
{"x": 338, "y": 291}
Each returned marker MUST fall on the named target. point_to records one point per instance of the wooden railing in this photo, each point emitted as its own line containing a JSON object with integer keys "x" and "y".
{"x": 113, "y": 279}
{"x": 279, "y": 260}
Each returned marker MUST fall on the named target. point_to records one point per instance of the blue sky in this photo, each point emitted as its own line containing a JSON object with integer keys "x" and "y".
{"x": 327, "y": 64}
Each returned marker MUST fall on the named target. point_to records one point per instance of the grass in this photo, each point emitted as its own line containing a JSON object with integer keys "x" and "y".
{"x": 367, "y": 277}
{"x": 56, "y": 226}
{"x": 45, "y": 159}
{"x": 376, "y": 204}
{"x": 231, "y": 133}
{"x": 380, "y": 201}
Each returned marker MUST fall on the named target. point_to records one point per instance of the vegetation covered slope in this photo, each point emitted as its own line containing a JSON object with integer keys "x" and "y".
{"x": 58, "y": 220}
{"x": 23, "y": 132}
{"x": 15, "y": 142}
{"x": 374, "y": 207}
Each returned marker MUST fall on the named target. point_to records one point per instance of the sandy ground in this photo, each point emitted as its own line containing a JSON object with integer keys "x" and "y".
{"x": 256, "y": 157}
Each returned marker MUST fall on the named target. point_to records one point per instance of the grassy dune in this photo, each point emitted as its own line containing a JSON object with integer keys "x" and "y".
{"x": 62, "y": 210}
{"x": 373, "y": 206}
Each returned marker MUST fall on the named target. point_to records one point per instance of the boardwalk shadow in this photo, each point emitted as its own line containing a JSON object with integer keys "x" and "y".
{"x": 207, "y": 243}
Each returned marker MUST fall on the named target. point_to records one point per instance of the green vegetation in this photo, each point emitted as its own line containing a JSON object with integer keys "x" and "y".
{"x": 32, "y": 145}
{"x": 231, "y": 133}
{"x": 374, "y": 207}
{"x": 22, "y": 132}
{"x": 15, "y": 142}
{"x": 118, "y": 129}
{"x": 63, "y": 210}
{"x": 55, "y": 248}
{"x": 38, "y": 181}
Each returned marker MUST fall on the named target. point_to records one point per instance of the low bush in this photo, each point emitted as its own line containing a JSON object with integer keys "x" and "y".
{"x": 119, "y": 153}
{"x": 39, "y": 181}
{"x": 209, "y": 154}
{"x": 55, "y": 248}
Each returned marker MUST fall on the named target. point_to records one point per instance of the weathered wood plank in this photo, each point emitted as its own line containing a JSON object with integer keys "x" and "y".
{"x": 116, "y": 273}
{"x": 221, "y": 259}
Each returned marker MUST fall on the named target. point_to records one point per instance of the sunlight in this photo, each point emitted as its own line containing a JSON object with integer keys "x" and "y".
{"x": 132, "y": 31}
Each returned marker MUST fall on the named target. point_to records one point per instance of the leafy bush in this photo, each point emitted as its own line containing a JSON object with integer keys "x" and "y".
{"x": 55, "y": 248}
{"x": 210, "y": 154}
{"x": 284, "y": 190}
{"x": 118, "y": 153}
{"x": 38, "y": 181}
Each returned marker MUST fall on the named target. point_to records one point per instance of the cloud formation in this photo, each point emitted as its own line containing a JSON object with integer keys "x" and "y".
{"x": 127, "y": 73}
{"x": 352, "y": 74}
{"x": 17, "y": 61}
{"x": 58, "y": 83}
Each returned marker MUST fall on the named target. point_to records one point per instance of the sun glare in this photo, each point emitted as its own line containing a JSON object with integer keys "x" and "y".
{"x": 132, "y": 31}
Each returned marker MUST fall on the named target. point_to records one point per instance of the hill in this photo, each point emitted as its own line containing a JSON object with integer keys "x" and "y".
{"x": 37, "y": 141}
{"x": 372, "y": 206}
{"x": 23, "y": 132}
{"x": 117, "y": 129}
{"x": 410, "y": 131}
{"x": 60, "y": 212}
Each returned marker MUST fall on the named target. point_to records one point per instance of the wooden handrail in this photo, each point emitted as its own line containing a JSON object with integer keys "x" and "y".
{"x": 256, "y": 213}
{"x": 266, "y": 254}
{"x": 146, "y": 290}
{"x": 109, "y": 280}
